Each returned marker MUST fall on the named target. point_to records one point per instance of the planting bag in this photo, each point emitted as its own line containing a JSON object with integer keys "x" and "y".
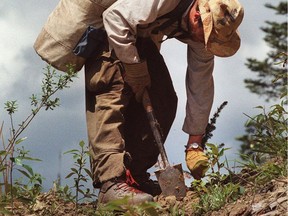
{"x": 66, "y": 27}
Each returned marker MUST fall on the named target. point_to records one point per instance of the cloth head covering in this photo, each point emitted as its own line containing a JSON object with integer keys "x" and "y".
{"x": 221, "y": 19}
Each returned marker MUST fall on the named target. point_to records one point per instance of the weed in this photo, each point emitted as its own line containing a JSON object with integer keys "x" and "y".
{"x": 271, "y": 131}
{"x": 13, "y": 158}
{"x": 214, "y": 153}
{"x": 176, "y": 211}
{"x": 211, "y": 125}
{"x": 80, "y": 173}
{"x": 267, "y": 152}
{"x": 122, "y": 207}
{"x": 31, "y": 188}
{"x": 261, "y": 172}
{"x": 62, "y": 192}
{"x": 214, "y": 193}
{"x": 217, "y": 196}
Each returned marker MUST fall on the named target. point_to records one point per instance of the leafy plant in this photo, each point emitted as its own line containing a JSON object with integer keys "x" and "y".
{"x": 27, "y": 190}
{"x": 12, "y": 158}
{"x": 217, "y": 196}
{"x": 80, "y": 173}
{"x": 51, "y": 84}
{"x": 122, "y": 207}
{"x": 217, "y": 189}
{"x": 211, "y": 125}
{"x": 62, "y": 192}
{"x": 271, "y": 81}
{"x": 270, "y": 131}
{"x": 215, "y": 152}
{"x": 260, "y": 172}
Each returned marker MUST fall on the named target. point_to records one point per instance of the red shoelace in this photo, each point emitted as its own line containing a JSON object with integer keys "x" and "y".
{"x": 125, "y": 187}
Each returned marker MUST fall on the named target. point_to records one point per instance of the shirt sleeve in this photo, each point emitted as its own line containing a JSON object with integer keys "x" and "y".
{"x": 122, "y": 18}
{"x": 199, "y": 88}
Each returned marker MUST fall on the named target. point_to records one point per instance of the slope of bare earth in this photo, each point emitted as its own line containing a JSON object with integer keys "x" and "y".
{"x": 270, "y": 199}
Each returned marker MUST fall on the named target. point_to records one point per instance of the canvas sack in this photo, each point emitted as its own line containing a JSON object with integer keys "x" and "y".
{"x": 64, "y": 28}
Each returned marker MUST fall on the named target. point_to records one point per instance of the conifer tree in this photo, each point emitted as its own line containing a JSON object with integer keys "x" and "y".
{"x": 271, "y": 81}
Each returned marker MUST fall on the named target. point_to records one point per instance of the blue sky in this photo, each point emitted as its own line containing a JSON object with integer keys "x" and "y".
{"x": 54, "y": 132}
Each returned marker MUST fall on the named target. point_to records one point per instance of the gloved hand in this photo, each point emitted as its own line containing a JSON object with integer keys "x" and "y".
{"x": 196, "y": 161}
{"x": 138, "y": 78}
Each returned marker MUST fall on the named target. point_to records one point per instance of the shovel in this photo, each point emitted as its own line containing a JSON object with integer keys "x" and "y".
{"x": 170, "y": 178}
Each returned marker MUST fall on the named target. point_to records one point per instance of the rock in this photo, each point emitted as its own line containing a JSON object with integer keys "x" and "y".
{"x": 171, "y": 200}
{"x": 238, "y": 210}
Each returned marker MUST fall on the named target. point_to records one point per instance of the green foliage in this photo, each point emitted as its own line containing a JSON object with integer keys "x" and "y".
{"x": 215, "y": 152}
{"x": 30, "y": 188}
{"x": 26, "y": 188}
{"x": 11, "y": 107}
{"x": 63, "y": 192}
{"x": 176, "y": 211}
{"x": 51, "y": 83}
{"x": 260, "y": 170}
{"x": 217, "y": 196}
{"x": 211, "y": 125}
{"x": 271, "y": 80}
{"x": 14, "y": 158}
{"x": 267, "y": 132}
{"x": 80, "y": 172}
{"x": 122, "y": 207}
{"x": 217, "y": 190}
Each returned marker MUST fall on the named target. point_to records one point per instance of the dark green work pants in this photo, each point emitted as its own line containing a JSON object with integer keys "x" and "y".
{"x": 116, "y": 122}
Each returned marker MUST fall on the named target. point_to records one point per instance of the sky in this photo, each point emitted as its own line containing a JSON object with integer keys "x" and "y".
{"x": 54, "y": 132}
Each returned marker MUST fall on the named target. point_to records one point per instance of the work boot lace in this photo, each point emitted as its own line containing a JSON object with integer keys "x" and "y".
{"x": 117, "y": 190}
{"x": 129, "y": 178}
{"x": 125, "y": 187}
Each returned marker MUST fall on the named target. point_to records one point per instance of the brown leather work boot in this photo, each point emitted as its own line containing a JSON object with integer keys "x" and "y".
{"x": 118, "y": 189}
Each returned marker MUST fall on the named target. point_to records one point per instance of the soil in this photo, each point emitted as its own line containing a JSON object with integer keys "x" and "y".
{"x": 270, "y": 199}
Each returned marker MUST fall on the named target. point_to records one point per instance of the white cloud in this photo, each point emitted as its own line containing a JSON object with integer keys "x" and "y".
{"x": 10, "y": 50}
{"x": 20, "y": 23}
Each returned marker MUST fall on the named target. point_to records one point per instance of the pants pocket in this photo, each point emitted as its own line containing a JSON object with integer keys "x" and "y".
{"x": 103, "y": 74}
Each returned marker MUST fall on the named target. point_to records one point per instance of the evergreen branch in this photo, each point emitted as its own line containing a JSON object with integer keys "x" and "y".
{"x": 211, "y": 126}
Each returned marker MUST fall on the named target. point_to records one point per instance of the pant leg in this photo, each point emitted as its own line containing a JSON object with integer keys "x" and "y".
{"x": 112, "y": 115}
{"x": 140, "y": 142}
{"x": 106, "y": 100}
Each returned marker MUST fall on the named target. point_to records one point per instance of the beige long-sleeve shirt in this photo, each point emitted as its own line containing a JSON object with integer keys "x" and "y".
{"x": 127, "y": 19}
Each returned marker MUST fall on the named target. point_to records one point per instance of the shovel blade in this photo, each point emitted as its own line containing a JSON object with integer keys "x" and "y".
{"x": 171, "y": 181}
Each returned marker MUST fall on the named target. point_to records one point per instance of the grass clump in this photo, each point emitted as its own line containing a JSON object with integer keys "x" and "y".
{"x": 122, "y": 207}
{"x": 217, "y": 196}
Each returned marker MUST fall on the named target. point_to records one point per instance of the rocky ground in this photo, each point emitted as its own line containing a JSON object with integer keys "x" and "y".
{"x": 270, "y": 199}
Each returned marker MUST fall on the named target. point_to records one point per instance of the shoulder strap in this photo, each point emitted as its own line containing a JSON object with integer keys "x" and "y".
{"x": 174, "y": 15}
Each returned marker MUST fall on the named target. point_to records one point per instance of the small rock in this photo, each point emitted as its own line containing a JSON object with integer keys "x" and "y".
{"x": 238, "y": 210}
{"x": 258, "y": 206}
{"x": 38, "y": 206}
{"x": 171, "y": 200}
{"x": 277, "y": 202}
{"x": 272, "y": 213}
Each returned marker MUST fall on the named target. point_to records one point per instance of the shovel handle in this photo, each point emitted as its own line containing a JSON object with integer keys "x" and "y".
{"x": 154, "y": 127}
